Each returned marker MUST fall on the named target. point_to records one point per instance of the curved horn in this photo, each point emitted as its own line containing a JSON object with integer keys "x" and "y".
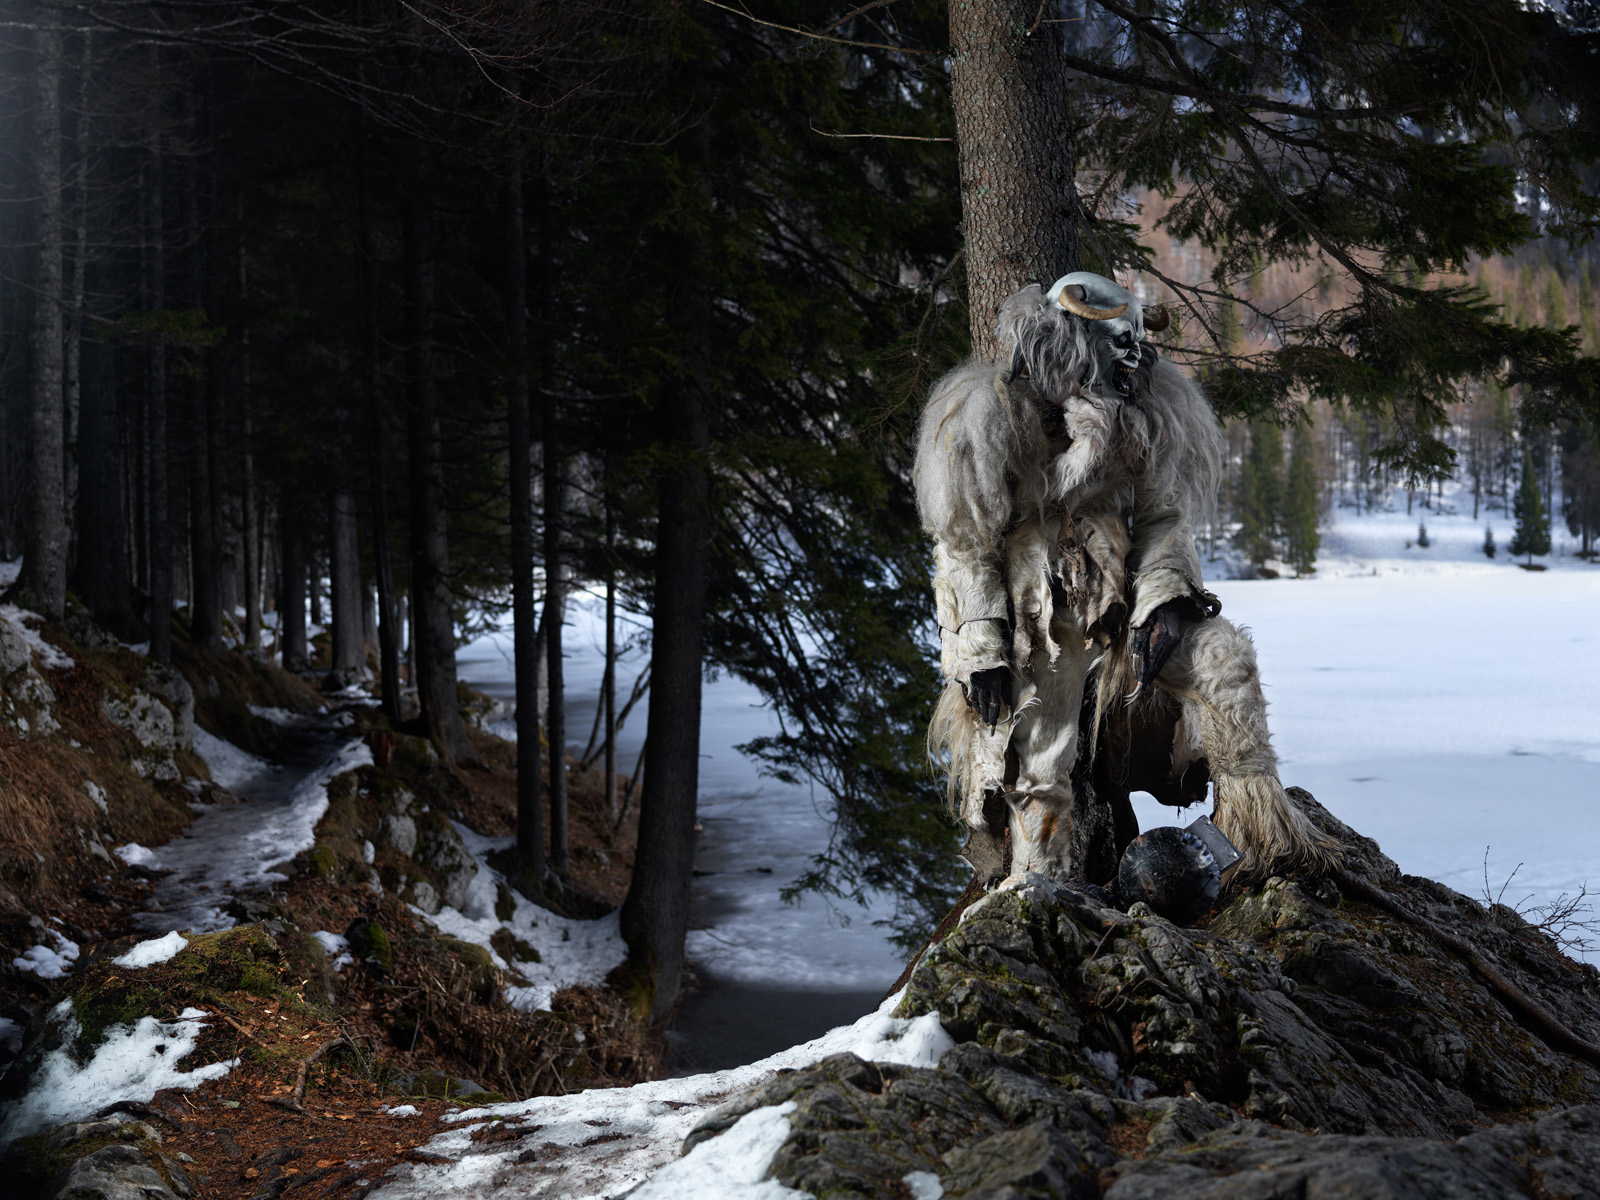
{"x": 1156, "y": 318}
{"x": 1071, "y": 298}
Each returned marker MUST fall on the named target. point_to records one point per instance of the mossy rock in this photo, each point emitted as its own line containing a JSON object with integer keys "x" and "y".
{"x": 482, "y": 979}
{"x": 370, "y": 943}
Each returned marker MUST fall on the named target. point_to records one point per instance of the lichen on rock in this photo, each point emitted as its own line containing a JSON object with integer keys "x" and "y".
{"x": 1299, "y": 1030}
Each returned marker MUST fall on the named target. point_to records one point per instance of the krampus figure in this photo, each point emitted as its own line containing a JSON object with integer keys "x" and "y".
{"x": 1062, "y": 485}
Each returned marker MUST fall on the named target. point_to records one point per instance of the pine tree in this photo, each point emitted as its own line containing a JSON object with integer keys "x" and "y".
{"x": 1533, "y": 522}
{"x": 1488, "y": 541}
{"x": 1300, "y": 507}
{"x": 1261, "y": 493}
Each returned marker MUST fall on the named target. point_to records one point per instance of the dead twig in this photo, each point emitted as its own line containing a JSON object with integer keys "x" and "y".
{"x": 294, "y": 1100}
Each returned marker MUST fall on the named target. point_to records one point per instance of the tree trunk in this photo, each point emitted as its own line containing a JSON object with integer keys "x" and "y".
{"x": 205, "y": 596}
{"x": 378, "y": 463}
{"x": 252, "y": 502}
{"x": 433, "y": 624}
{"x": 555, "y": 599}
{"x": 613, "y": 811}
{"x": 292, "y": 601}
{"x": 101, "y": 575}
{"x": 159, "y": 538}
{"x": 344, "y": 570}
{"x": 73, "y": 362}
{"x": 525, "y": 645}
{"x": 655, "y": 915}
{"x": 1019, "y": 200}
{"x": 43, "y": 585}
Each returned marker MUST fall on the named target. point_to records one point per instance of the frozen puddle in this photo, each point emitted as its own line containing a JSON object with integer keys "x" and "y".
{"x": 237, "y": 848}
{"x": 604, "y": 1142}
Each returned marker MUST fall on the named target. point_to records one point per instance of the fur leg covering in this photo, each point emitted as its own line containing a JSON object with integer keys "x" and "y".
{"x": 1213, "y": 672}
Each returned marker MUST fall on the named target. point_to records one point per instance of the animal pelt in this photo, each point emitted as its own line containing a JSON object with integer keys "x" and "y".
{"x": 1062, "y": 514}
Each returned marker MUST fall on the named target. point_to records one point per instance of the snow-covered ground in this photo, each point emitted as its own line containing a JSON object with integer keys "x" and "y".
{"x": 603, "y": 1142}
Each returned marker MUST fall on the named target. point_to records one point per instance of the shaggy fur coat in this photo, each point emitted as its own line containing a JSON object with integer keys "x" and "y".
{"x": 1063, "y": 514}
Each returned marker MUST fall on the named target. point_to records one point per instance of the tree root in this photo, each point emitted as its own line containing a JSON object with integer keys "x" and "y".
{"x": 1544, "y": 1022}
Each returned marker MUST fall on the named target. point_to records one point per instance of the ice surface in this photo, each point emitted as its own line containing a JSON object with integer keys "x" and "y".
{"x": 133, "y": 1062}
{"x": 236, "y": 848}
{"x": 18, "y": 619}
{"x": 758, "y": 834}
{"x": 49, "y": 962}
{"x": 731, "y": 1165}
{"x": 570, "y": 951}
{"x": 156, "y": 950}
{"x": 649, "y": 1119}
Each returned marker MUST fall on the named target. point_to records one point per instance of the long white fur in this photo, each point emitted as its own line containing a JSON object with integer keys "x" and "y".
{"x": 992, "y": 494}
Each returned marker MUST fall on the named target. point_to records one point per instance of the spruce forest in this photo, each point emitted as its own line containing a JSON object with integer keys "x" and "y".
{"x": 335, "y": 336}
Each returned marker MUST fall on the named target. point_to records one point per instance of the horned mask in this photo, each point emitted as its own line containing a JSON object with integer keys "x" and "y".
{"x": 1118, "y": 323}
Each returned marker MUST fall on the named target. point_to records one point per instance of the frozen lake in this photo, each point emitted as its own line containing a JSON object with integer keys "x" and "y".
{"x": 1436, "y": 701}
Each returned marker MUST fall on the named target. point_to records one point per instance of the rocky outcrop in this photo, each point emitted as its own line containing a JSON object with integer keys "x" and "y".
{"x": 1304, "y": 1042}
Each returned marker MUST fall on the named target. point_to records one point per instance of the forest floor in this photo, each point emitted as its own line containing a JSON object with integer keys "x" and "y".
{"x": 329, "y": 884}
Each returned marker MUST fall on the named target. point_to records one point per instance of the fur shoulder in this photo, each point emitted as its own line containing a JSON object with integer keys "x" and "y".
{"x": 1186, "y": 439}
{"x": 973, "y": 430}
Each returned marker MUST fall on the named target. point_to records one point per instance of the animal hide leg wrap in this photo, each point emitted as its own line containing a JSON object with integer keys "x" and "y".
{"x": 1213, "y": 672}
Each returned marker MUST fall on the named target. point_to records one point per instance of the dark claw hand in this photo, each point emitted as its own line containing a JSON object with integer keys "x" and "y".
{"x": 1154, "y": 642}
{"x": 987, "y": 692}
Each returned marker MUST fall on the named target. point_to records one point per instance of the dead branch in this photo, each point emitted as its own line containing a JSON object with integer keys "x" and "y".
{"x": 294, "y": 1101}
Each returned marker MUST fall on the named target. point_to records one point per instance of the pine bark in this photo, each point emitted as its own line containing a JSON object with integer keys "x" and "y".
{"x": 655, "y": 915}
{"x": 1019, "y": 201}
{"x": 43, "y": 583}
{"x": 292, "y": 600}
{"x": 205, "y": 597}
{"x": 158, "y": 539}
{"x": 344, "y": 568}
{"x": 378, "y": 460}
{"x": 434, "y": 652}
{"x": 525, "y": 645}
{"x": 554, "y": 504}
{"x": 101, "y": 577}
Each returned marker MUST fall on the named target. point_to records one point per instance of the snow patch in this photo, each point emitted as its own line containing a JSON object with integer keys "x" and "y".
{"x": 49, "y": 962}
{"x": 230, "y": 766}
{"x": 17, "y": 618}
{"x": 652, "y": 1120}
{"x": 134, "y": 1062}
{"x": 923, "y": 1185}
{"x": 97, "y": 794}
{"x": 570, "y": 951}
{"x": 733, "y": 1165}
{"x": 404, "y": 1110}
{"x": 336, "y": 946}
{"x": 136, "y": 855}
{"x": 149, "y": 953}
